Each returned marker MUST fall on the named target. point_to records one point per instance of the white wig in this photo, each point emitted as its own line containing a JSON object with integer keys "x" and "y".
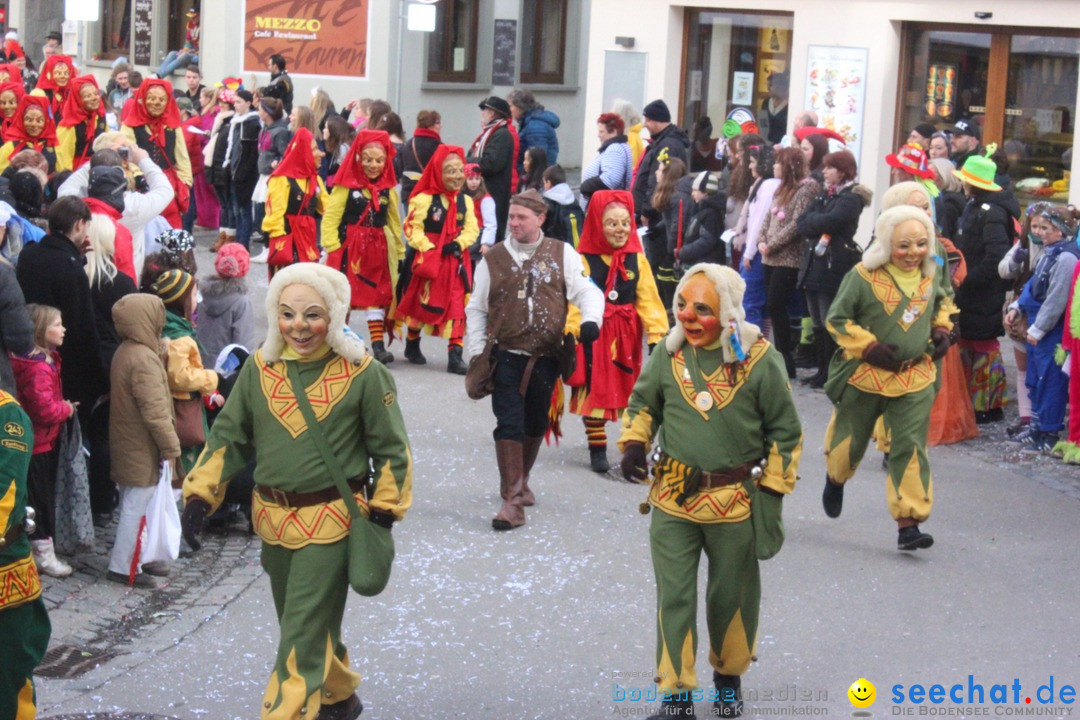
{"x": 333, "y": 287}
{"x": 731, "y": 288}
{"x": 880, "y": 251}
{"x": 899, "y": 193}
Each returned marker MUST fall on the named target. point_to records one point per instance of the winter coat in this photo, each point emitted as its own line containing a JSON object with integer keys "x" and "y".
{"x": 217, "y": 173}
{"x": 677, "y": 143}
{"x": 244, "y": 156}
{"x": 414, "y": 158}
{"x": 611, "y": 169}
{"x": 183, "y": 360}
{"x": 51, "y": 272}
{"x": 42, "y": 396}
{"x": 273, "y": 142}
{"x": 537, "y": 129}
{"x": 225, "y": 317}
{"x": 142, "y": 429}
{"x": 281, "y": 87}
{"x": 16, "y": 327}
{"x": 948, "y": 207}
{"x": 104, "y": 295}
{"x": 837, "y": 216}
{"x": 780, "y": 232}
{"x": 985, "y": 235}
{"x": 701, "y": 242}
{"x": 497, "y": 166}
{"x": 676, "y": 216}
{"x": 564, "y": 219}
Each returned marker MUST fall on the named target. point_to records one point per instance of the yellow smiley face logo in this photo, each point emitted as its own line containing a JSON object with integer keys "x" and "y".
{"x": 862, "y": 693}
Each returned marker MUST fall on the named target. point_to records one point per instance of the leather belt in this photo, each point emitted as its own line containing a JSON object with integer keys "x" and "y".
{"x": 307, "y": 499}
{"x": 13, "y": 534}
{"x": 723, "y": 478}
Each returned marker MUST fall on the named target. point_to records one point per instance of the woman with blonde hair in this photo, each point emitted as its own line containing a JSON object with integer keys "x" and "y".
{"x": 322, "y": 107}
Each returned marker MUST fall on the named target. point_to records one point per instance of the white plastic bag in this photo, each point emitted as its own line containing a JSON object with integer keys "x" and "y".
{"x": 162, "y": 540}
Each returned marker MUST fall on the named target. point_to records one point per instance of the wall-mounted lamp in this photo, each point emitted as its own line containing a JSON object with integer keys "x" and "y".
{"x": 626, "y": 42}
{"x": 983, "y": 15}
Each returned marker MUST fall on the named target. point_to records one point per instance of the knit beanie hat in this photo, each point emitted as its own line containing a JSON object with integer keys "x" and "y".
{"x": 171, "y": 285}
{"x": 232, "y": 261}
{"x": 707, "y": 183}
{"x": 925, "y": 129}
{"x": 657, "y": 110}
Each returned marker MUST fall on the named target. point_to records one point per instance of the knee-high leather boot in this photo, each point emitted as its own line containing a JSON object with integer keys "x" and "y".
{"x": 509, "y": 454}
{"x": 530, "y": 448}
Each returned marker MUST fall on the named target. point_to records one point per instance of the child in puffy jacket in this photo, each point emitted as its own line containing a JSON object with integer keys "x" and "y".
{"x": 37, "y": 377}
{"x": 225, "y": 313}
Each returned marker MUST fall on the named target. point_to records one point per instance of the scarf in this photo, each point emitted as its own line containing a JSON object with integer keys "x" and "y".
{"x": 592, "y": 240}
{"x": 75, "y": 114}
{"x": 351, "y": 173}
{"x": 16, "y": 130}
{"x": 420, "y": 132}
{"x": 235, "y": 128}
{"x": 136, "y": 113}
{"x": 477, "y": 148}
{"x": 831, "y": 190}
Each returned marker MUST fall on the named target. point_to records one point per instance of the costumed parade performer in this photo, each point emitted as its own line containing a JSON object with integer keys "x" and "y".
{"x": 55, "y": 77}
{"x": 153, "y": 123}
{"x": 295, "y": 199}
{"x": 30, "y": 129}
{"x": 1068, "y": 449}
{"x": 298, "y": 511}
{"x": 891, "y": 319}
{"x": 361, "y": 232}
{"x": 441, "y": 227}
{"x": 10, "y": 95}
{"x": 517, "y": 318}
{"x": 614, "y": 259}
{"x": 24, "y": 622}
{"x": 718, "y": 394}
{"x": 83, "y": 120}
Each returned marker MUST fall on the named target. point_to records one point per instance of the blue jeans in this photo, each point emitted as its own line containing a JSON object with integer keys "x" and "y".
{"x": 242, "y": 215}
{"x": 188, "y": 219}
{"x": 175, "y": 60}
{"x": 225, "y": 216}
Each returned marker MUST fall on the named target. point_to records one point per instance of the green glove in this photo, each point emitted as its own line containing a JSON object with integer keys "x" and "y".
{"x": 765, "y": 511}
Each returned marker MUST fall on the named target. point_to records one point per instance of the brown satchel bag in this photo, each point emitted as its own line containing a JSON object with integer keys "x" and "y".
{"x": 480, "y": 377}
{"x": 189, "y": 422}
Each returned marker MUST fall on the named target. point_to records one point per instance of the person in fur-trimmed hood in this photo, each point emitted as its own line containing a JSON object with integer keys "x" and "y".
{"x": 891, "y": 319}
{"x": 298, "y": 511}
{"x": 225, "y": 313}
{"x": 719, "y": 396}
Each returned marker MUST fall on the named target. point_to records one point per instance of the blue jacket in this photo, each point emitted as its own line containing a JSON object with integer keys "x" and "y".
{"x": 537, "y": 129}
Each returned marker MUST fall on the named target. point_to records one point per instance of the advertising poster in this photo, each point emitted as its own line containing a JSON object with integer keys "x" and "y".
{"x": 316, "y": 37}
{"x": 836, "y": 90}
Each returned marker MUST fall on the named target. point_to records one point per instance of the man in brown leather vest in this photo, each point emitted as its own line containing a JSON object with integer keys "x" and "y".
{"x": 520, "y": 296}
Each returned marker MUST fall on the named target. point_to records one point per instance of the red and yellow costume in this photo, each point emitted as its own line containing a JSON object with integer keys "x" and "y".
{"x": 18, "y": 139}
{"x": 162, "y": 138}
{"x": 15, "y": 87}
{"x": 55, "y": 90}
{"x": 295, "y": 194}
{"x": 361, "y": 228}
{"x": 435, "y": 298}
{"x": 631, "y": 305}
{"x": 78, "y": 126}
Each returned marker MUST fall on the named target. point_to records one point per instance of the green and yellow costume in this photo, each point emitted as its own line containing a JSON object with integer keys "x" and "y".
{"x": 24, "y": 622}
{"x": 304, "y": 549}
{"x": 886, "y": 305}
{"x": 751, "y": 416}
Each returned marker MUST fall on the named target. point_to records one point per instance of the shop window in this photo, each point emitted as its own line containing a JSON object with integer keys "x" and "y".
{"x": 543, "y": 41}
{"x": 1019, "y": 89}
{"x": 115, "y": 28}
{"x": 737, "y": 60}
{"x": 452, "y": 46}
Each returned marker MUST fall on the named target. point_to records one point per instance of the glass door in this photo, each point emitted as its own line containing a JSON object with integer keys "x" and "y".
{"x": 1040, "y": 115}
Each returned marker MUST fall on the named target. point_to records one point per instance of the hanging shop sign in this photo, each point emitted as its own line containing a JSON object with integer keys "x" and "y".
{"x": 316, "y": 37}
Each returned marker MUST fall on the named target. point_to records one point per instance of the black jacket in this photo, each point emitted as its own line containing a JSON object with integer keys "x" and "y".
{"x": 701, "y": 241}
{"x": 497, "y": 167}
{"x": 414, "y": 158}
{"x": 105, "y": 294}
{"x": 281, "y": 87}
{"x": 51, "y": 272}
{"x": 949, "y": 206}
{"x": 244, "y": 161}
{"x": 678, "y": 146}
{"x": 986, "y": 233}
{"x": 838, "y": 217}
{"x": 216, "y": 172}
{"x": 16, "y": 327}
{"x": 675, "y": 219}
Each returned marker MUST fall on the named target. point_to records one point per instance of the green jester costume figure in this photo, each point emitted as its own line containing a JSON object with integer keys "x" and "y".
{"x": 891, "y": 319}
{"x": 24, "y": 622}
{"x": 731, "y": 441}
{"x": 297, "y": 509}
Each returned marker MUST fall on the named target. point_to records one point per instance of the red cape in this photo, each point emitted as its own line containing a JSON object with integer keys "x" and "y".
{"x": 73, "y": 112}
{"x": 135, "y": 113}
{"x": 46, "y": 81}
{"x": 298, "y": 160}
{"x": 351, "y": 173}
{"x": 16, "y": 130}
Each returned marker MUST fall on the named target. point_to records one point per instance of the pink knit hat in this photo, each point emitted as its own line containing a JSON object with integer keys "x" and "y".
{"x": 232, "y": 260}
